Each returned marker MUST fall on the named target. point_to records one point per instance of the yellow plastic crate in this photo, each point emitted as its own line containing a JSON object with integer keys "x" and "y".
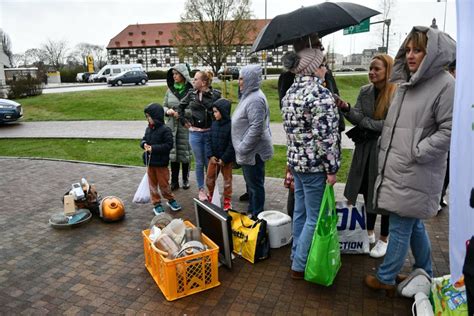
{"x": 182, "y": 277}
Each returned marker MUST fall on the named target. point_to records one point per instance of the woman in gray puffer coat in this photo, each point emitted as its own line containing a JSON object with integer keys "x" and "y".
{"x": 251, "y": 135}
{"x": 179, "y": 83}
{"x": 413, "y": 150}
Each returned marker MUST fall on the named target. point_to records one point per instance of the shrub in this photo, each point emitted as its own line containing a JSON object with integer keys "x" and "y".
{"x": 69, "y": 74}
{"x": 157, "y": 74}
{"x": 22, "y": 88}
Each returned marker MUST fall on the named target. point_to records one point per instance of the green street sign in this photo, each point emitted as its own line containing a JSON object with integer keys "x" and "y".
{"x": 363, "y": 26}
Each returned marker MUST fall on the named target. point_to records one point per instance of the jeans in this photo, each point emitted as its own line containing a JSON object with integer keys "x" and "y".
{"x": 309, "y": 190}
{"x": 405, "y": 232}
{"x": 254, "y": 177}
{"x": 198, "y": 141}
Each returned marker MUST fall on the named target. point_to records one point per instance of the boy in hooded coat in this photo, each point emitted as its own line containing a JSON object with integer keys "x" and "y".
{"x": 157, "y": 143}
{"x": 221, "y": 152}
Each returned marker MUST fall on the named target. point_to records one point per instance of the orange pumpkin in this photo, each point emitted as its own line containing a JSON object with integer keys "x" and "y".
{"x": 112, "y": 209}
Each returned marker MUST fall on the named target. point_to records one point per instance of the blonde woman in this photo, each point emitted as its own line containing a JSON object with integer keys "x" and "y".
{"x": 368, "y": 116}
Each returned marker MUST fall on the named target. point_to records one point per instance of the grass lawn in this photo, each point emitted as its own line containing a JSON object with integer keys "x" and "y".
{"x": 127, "y": 103}
{"x": 125, "y": 152}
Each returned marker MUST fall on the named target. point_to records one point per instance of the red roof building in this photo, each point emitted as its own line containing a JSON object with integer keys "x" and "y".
{"x": 152, "y": 45}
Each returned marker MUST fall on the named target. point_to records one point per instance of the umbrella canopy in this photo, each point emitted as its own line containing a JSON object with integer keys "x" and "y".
{"x": 324, "y": 18}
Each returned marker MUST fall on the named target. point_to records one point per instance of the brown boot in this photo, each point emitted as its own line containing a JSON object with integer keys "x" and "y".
{"x": 372, "y": 282}
{"x": 297, "y": 275}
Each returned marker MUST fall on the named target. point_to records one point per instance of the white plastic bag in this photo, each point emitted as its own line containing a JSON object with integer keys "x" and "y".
{"x": 216, "y": 197}
{"x": 351, "y": 226}
{"x": 142, "y": 196}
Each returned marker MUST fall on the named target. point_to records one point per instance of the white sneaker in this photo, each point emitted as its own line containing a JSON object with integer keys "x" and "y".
{"x": 417, "y": 281}
{"x": 371, "y": 238}
{"x": 379, "y": 249}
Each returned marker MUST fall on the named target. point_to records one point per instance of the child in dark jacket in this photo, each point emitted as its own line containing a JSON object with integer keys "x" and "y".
{"x": 157, "y": 143}
{"x": 221, "y": 152}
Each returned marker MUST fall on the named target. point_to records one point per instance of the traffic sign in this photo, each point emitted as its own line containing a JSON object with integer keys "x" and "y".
{"x": 363, "y": 26}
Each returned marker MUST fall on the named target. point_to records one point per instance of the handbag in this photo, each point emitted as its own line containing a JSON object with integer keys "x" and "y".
{"x": 359, "y": 135}
{"x": 324, "y": 258}
{"x": 142, "y": 195}
{"x": 249, "y": 237}
{"x": 351, "y": 227}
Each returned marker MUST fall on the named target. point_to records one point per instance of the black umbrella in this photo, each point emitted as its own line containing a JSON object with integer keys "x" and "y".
{"x": 324, "y": 18}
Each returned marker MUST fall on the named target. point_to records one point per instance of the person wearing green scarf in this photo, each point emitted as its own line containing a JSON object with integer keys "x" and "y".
{"x": 179, "y": 83}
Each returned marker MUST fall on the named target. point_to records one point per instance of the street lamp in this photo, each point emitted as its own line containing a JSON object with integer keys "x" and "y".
{"x": 445, "y": 9}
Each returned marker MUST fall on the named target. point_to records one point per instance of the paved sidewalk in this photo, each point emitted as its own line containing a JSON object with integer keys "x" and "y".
{"x": 98, "y": 268}
{"x": 107, "y": 129}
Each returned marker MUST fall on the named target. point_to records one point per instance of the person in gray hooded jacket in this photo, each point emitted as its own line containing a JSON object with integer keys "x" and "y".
{"x": 179, "y": 83}
{"x": 413, "y": 150}
{"x": 251, "y": 135}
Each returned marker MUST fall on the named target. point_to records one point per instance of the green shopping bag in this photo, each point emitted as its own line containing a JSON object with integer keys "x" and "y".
{"x": 324, "y": 258}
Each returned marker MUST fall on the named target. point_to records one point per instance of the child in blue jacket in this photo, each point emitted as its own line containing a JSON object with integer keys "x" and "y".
{"x": 157, "y": 143}
{"x": 221, "y": 152}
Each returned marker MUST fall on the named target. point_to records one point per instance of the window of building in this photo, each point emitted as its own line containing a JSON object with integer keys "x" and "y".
{"x": 269, "y": 59}
{"x": 167, "y": 60}
{"x": 127, "y": 61}
{"x": 143, "y": 33}
{"x": 126, "y": 52}
{"x": 130, "y": 43}
{"x": 160, "y": 33}
{"x": 114, "y": 62}
{"x": 117, "y": 43}
{"x": 140, "y": 61}
{"x": 167, "y": 50}
{"x": 130, "y": 33}
{"x": 154, "y": 61}
{"x": 139, "y": 51}
{"x": 113, "y": 52}
{"x": 153, "y": 51}
{"x": 157, "y": 42}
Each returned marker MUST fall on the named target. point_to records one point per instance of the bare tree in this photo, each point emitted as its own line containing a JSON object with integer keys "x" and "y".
{"x": 7, "y": 46}
{"x": 55, "y": 52}
{"x": 34, "y": 56}
{"x": 82, "y": 50}
{"x": 210, "y": 28}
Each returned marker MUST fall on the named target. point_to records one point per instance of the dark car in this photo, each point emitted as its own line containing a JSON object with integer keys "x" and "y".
{"x": 360, "y": 69}
{"x": 130, "y": 76}
{"x": 10, "y": 111}
{"x": 228, "y": 73}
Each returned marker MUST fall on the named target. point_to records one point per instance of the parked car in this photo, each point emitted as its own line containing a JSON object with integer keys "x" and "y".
{"x": 80, "y": 77}
{"x": 226, "y": 73}
{"x": 347, "y": 69}
{"x": 10, "y": 111}
{"x": 360, "y": 69}
{"x": 109, "y": 71}
{"x": 130, "y": 76}
{"x": 87, "y": 75}
{"x": 84, "y": 76}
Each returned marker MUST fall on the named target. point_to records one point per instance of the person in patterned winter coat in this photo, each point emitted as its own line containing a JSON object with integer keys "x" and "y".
{"x": 311, "y": 122}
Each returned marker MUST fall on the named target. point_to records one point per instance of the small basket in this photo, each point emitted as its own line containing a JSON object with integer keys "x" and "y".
{"x": 184, "y": 276}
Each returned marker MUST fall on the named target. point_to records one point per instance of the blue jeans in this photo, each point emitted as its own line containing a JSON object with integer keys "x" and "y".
{"x": 198, "y": 141}
{"x": 254, "y": 177}
{"x": 405, "y": 232}
{"x": 309, "y": 190}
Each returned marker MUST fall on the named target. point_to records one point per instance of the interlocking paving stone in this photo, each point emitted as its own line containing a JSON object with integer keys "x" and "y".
{"x": 98, "y": 268}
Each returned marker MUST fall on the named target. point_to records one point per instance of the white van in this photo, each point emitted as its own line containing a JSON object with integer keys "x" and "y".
{"x": 113, "y": 70}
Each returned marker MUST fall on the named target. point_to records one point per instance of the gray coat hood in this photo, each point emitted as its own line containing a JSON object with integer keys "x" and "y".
{"x": 183, "y": 70}
{"x": 416, "y": 133}
{"x": 440, "y": 51}
{"x": 252, "y": 77}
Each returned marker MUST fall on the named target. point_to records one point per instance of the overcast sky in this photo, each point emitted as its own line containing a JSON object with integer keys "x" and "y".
{"x": 31, "y": 22}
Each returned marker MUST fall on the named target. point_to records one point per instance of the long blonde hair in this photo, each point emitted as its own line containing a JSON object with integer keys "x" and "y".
{"x": 385, "y": 95}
